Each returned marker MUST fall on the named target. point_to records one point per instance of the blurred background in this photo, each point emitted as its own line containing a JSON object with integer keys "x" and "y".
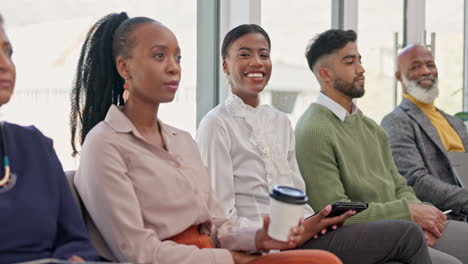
{"x": 47, "y": 36}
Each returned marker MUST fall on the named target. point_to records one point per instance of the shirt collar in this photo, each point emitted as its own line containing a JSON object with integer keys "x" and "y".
{"x": 238, "y": 108}
{"x": 117, "y": 120}
{"x": 336, "y": 108}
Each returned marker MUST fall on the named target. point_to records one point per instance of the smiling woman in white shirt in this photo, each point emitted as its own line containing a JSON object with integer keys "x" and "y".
{"x": 248, "y": 148}
{"x": 142, "y": 181}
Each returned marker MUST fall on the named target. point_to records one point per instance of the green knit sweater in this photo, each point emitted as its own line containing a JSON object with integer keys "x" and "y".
{"x": 350, "y": 161}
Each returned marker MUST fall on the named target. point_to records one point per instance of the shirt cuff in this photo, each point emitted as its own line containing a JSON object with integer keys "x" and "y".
{"x": 247, "y": 239}
{"x": 236, "y": 238}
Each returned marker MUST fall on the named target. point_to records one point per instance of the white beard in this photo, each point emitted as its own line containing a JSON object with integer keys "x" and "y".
{"x": 419, "y": 93}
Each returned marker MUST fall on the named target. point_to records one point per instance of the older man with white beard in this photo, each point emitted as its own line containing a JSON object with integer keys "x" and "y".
{"x": 421, "y": 135}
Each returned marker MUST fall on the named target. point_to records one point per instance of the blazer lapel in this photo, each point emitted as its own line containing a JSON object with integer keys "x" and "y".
{"x": 419, "y": 117}
{"x": 462, "y": 133}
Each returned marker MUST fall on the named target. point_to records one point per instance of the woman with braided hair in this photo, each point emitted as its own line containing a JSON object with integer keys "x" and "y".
{"x": 142, "y": 181}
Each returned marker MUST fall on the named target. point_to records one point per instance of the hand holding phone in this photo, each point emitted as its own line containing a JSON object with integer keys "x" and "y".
{"x": 331, "y": 217}
{"x": 339, "y": 208}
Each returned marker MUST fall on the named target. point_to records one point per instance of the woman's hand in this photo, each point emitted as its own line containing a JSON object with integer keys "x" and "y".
{"x": 76, "y": 259}
{"x": 264, "y": 242}
{"x": 319, "y": 224}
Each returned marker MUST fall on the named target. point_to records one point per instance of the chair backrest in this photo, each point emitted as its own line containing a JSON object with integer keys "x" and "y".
{"x": 94, "y": 235}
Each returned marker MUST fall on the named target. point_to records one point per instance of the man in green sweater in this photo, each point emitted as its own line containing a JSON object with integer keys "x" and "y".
{"x": 345, "y": 156}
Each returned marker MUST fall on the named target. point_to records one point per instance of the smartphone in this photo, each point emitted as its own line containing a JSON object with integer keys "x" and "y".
{"x": 339, "y": 208}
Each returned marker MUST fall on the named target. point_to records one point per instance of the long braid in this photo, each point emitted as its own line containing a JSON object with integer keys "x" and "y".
{"x": 97, "y": 83}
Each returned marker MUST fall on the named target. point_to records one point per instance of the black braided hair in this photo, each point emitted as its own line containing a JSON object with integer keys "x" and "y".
{"x": 97, "y": 83}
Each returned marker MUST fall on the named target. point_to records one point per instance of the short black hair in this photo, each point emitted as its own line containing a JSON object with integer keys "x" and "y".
{"x": 1, "y": 20}
{"x": 240, "y": 31}
{"x": 326, "y": 43}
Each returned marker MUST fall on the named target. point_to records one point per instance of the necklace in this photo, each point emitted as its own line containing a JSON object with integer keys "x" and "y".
{"x": 9, "y": 179}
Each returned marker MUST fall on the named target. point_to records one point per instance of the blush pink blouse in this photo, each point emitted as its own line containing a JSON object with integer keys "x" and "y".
{"x": 139, "y": 195}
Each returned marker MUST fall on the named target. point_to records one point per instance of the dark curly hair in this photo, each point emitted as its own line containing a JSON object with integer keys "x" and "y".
{"x": 326, "y": 43}
{"x": 240, "y": 31}
{"x": 97, "y": 83}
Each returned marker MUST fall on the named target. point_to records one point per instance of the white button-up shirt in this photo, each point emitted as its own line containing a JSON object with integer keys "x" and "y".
{"x": 247, "y": 151}
{"x": 336, "y": 108}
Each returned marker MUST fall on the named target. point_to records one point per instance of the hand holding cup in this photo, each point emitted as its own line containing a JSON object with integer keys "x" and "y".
{"x": 265, "y": 242}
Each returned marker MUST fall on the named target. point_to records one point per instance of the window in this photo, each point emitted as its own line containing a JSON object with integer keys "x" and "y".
{"x": 446, "y": 20}
{"x": 47, "y": 38}
{"x": 293, "y": 87}
{"x": 376, "y": 44}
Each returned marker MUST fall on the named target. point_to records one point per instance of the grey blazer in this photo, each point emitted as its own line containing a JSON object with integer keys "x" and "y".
{"x": 421, "y": 157}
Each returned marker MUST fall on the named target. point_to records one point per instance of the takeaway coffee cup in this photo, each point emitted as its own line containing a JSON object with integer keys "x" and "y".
{"x": 287, "y": 207}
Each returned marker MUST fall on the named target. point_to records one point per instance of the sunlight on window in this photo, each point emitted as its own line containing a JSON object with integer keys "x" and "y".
{"x": 293, "y": 87}
{"x": 47, "y": 39}
{"x": 446, "y": 20}
{"x": 375, "y": 43}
